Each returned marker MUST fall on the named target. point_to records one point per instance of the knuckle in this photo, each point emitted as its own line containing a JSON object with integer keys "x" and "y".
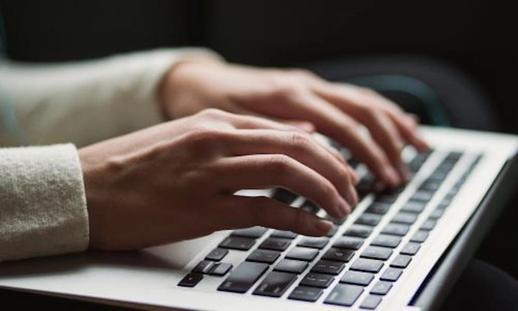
{"x": 212, "y": 113}
{"x": 205, "y": 139}
{"x": 280, "y": 164}
{"x": 299, "y": 141}
{"x": 286, "y": 90}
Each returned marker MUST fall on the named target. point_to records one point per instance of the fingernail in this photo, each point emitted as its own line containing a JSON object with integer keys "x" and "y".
{"x": 392, "y": 176}
{"x": 323, "y": 226}
{"x": 354, "y": 194}
{"x": 343, "y": 208}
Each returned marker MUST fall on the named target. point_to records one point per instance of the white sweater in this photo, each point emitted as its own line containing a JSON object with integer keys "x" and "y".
{"x": 43, "y": 210}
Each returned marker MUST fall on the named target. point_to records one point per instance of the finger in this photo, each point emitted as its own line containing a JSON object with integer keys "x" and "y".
{"x": 407, "y": 126}
{"x": 334, "y": 123}
{"x": 263, "y": 171}
{"x": 299, "y": 146}
{"x": 242, "y": 212}
{"x": 303, "y": 125}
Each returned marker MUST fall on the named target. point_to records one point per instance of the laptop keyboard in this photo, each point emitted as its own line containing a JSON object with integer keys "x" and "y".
{"x": 348, "y": 259}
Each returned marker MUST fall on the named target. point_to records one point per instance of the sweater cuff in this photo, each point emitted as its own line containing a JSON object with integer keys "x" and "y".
{"x": 42, "y": 202}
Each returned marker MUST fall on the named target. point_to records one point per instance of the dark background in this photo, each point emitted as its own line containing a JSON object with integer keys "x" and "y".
{"x": 476, "y": 36}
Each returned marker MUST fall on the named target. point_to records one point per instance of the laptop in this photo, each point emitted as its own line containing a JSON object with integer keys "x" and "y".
{"x": 398, "y": 250}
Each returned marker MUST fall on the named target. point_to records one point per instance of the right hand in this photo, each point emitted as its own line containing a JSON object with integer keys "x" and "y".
{"x": 177, "y": 180}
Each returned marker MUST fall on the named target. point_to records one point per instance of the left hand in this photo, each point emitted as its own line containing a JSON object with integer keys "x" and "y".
{"x": 297, "y": 96}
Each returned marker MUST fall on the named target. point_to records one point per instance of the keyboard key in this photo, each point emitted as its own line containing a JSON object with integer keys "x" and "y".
{"x": 317, "y": 243}
{"x": 388, "y": 198}
{"x": 238, "y": 243}
{"x": 293, "y": 266}
{"x": 359, "y": 231}
{"x": 283, "y": 234}
{"x": 284, "y": 196}
{"x": 275, "y": 244}
{"x": 357, "y": 278}
{"x": 421, "y": 196}
{"x": 370, "y": 302}
{"x": 317, "y": 280}
{"x": 401, "y": 261}
{"x": 253, "y": 232}
{"x": 420, "y": 236}
{"x": 405, "y": 218}
{"x": 374, "y": 252}
{"x": 436, "y": 213}
{"x": 217, "y": 254}
{"x": 260, "y": 255}
{"x": 367, "y": 265}
{"x": 396, "y": 229}
{"x": 368, "y": 219}
{"x": 328, "y": 267}
{"x": 243, "y": 277}
{"x": 413, "y": 207}
{"x": 204, "y": 266}
{"x": 275, "y": 284}
{"x": 302, "y": 253}
{"x": 381, "y": 288}
{"x": 305, "y": 293}
{"x": 391, "y": 274}
{"x": 410, "y": 248}
{"x": 343, "y": 255}
{"x": 190, "y": 280}
{"x": 344, "y": 295}
{"x": 386, "y": 241}
{"x": 430, "y": 185}
{"x": 220, "y": 269}
{"x": 428, "y": 225}
{"x": 378, "y": 208}
{"x": 347, "y": 242}
{"x": 310, "y": 207}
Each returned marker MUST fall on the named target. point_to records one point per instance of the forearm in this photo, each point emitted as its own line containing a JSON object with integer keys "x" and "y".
{"x": 88, "y": 101}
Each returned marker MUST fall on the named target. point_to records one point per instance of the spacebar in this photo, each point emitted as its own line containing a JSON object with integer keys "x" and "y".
{"x": 243, "y": 277}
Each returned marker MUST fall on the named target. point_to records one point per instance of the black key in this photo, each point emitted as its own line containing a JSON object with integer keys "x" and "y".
{"x": 367, "y": 265}
{"x": 386, "y": 241}
{"x": 370, "y": 302}
{"x": 439, "y": 175}
{"x": 243, "y": 277}
{"x": 368, "y": 219}
{"x": 190, "y": 280}
{"x": 204, "y": 266}
{"x": 381, "y": 288}
{"x": 396, "y": 229}
{"x": 344, "y": 295}
{"x": 275, "y": 244}
{"x": 310, "y": 207}
{"x": 357, "y": 278}
{"x": 359, "y": 231}
{"x": 332, "y": 232}
{"x": 305, "y": 293}
{"x": 283, "y": 234}
{"x": 413, "y": 207}
{"x": 220, "y": 269}
{"x": 391, "y": 274}
{"x": 421, "y": 196}
{"x": 401, "y": 261}
{"x": 347, "y": 242}
{"x": 284, "y": 196}
{"x": 420, "y": 236}
{"x": 275, "y": 284}
{"x": 430, "y": 185}
{"x": 428, "y": 225}
{"x": 405, "y": 218}
{"x": 217, "y": 254}
{"x": 252, "y": 232}
{"x": 317, "y": 243}
{"x": 328, "y": 267}
{"x": 343, "y": 255}
{"x": 239, "y": 243}
{"x": 293, "y": 266}
{"x": 262, "y": 255}
{"x": 317, "y": 280}
{"x": 378, "y": 208}
{"x": 387, "y": 197}
{"x": 302, "y": 253}
{"x": 374, "y": 252}
{"x": 437, "y": 213}
{"x": 411, "y": 248}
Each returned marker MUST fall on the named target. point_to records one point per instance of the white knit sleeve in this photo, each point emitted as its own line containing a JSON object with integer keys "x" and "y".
{"x": 84, "y": 102}
{"x": 42, "y": 202}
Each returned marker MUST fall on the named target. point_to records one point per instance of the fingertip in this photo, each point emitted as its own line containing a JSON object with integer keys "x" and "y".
{"x": 322, "y": 227}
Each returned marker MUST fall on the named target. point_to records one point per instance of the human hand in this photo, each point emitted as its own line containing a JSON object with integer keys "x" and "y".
{"x": 336, "y": 110}
{"x": 178, "y": 180}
